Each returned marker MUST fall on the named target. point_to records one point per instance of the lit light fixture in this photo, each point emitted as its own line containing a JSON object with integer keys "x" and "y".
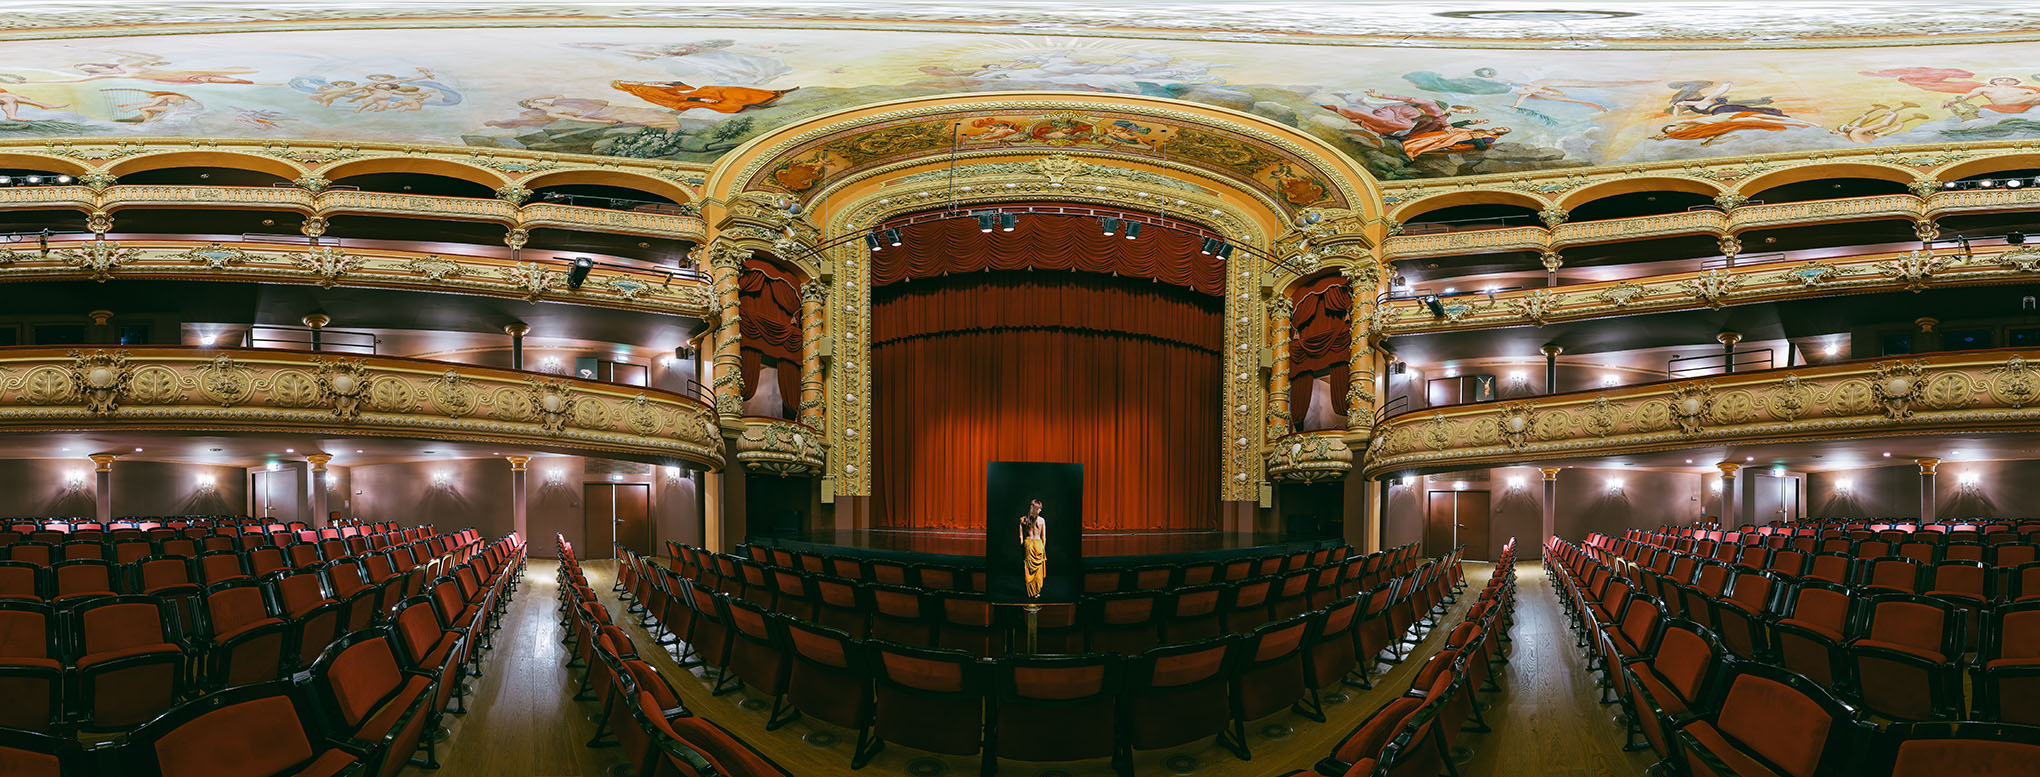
{"x": 203, "y": 483}
{"x": 1844, "y": 486}
{"x": 1210, "y": 245}
{"x": 1490, "y": 291}
{"x": 1409, "y": 481}
{"x": 1614, "y": 485}
{"x": 1459, "y": 485}
{"x": 1967, "y": 480}
{"x": 555, "y": 477}
{"x": 1515, "y": 483}
{"x": 871, "y": 242}
{"x": 1778, "y": 471}
{"x": 1689, "y": 461}
{"x": 332, "y": 481}
{"x": 1610, "y": 379}
{"x": 1887, "y": 454}
{"x": 138, "y": 450}
{"x": 1749, "y": 458}
{"x": 441, "y": 480}
{"x": 208, "y": 339}
{"x": 1132, "y": 230}
{"x": 1452, "y": 372}
{"x": 579, "y": 274}
{"x": 1007, "y": 221}
{"x": 1110, "y": 225}
{"x": 891, "y": 237}
{"x": 290, "y": 450}
{"x": 1451, "y": 290}
{"x": 273, "y": 466}
{"x": 75, "y": 480}
{"x": 2014, "y": 183}
{"x": 1714, "y": 486}
{"x": 1983, "y": 184}
{"x": 1518, "y": 378}
{"x": 986, "y": 221}
{"x": 615, "y": 478}
{"x": 1830, "y": 351}
{"x": 1431, "y": 301}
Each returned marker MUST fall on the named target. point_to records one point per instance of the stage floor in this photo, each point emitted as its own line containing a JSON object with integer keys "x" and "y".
{"x": 1130, "y": 546}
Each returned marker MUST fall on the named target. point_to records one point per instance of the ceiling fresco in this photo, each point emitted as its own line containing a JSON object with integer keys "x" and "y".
{"x": 692, "y": 94}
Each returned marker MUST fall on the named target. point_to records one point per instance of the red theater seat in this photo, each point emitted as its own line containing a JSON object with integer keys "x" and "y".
{"x": 265, "y": 730}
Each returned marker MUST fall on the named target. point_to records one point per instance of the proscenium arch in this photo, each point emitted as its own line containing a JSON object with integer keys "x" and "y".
{"x": 212, "y": 158}
{"x": 1824, "y": 171}
{"x": 617, "y": 178}
{"x": 734, "y": 173}
{"x": 1638, "y": 185}
{"x": 417, "y": 165}
{"x": 1437, "y": 202}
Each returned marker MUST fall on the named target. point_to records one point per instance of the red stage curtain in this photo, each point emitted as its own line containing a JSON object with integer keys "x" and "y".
{"x": 769, "y": 299}
{"x": 1048, "y": 242}
{"x": 1119, "y": 375}
{"x": 1321, "y": 340}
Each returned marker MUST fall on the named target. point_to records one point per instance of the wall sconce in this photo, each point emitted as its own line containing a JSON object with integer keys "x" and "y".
{"x": 1610, "y": 379}
{"x": 555, "y": 477}
{"x": 1407, "y": 481}
{"x": 441, "y": 480}
{"x": 1614, "y": 485}
{"x": 332, "y": 481}
{"x": 1844, "y": 486}
{"x": 204, "y": 484}
{"x": 1966, "y": 480}
{"x": 1714, "y": 486}
{"x": 1515, "y": 483}
{"x": 1517, "y": 378}
{"x": 75, "y": 480}
{"x": 672, "y": 474}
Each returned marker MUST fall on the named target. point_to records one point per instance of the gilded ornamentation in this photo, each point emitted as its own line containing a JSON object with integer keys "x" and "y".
{"x": 327, "y": 264}
{"x": 1923, "y": 186}
{"x": 1926, "y": 229}
{"x": 225, "y": 381}
{"x": 641, "y": 415}
{"x": 1601, "y": 417}
{"x": 313, "y": 226}
{"x": 215, "y": 256}
{"x": 99, "y": 258}
{"x": 2016, "y": 383}
{"x": 1811, "y": 274}
{"x": 1712, "y": 285}
{"x": 516, "y": 238}
{"x": 1792, "y": 398}
{"x": 780, "y": 448}
{"x": 1620, "y": 294}
{"x": 1516, "y": 422}
{"x": 1897, "y": 385}
{"x": 99, "y": 222}
{"x": 534, "y": 279}
{"x": 1552, "y": 215}
{"x": 513, "y": 193}
{"x": 1552, "y": 260}
{"x": 1690, "y": 403}
{"x": 1059, "y": 168}
{"x": 154, "y": 384}
{"x": 1730, "y": 200}
{"x": 312, "y": 182}
{"x": 100, "y": 378}
{"x": 1915, "y": 269}
{"x": 627, "y": 288}
{"x": 552, "y": 401}
{"x": 1730, "y": 245}
{"x": 1309, "y": 457}
{"x": 343, "y": 381}
{"x": 435, "y": 268}
{"x": 2022, "y": 259}
{"x": 454, "y": 394}
{"x": 97, "y": 179}
{"x": 1536, "y": 305}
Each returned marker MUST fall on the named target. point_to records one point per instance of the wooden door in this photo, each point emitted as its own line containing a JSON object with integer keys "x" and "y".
{"x": 599, "y": 521}
{"x": 276, "y": 494}
{"x": 634, "y": 517}
{"x": 1772, "y": 498}
{"x": 1453, "y": 518}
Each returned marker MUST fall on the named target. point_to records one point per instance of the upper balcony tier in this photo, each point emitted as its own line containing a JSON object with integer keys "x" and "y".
{"x": 1993, "y": 390}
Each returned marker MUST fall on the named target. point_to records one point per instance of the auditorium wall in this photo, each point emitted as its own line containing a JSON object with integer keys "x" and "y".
{"x": 477, "y": 493}
{"x": 2002, "y": 489}
{"x": 1586, "y": 503}
{"x": 40, "y": 487}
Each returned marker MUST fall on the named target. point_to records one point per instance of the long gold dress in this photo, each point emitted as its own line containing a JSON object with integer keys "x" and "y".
{"x": 1036, "y": 564}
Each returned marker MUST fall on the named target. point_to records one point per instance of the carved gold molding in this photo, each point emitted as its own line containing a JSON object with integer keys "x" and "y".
{"x": 240, "y": 390}
{"x": 1742, "y": 285}
{"x": 1997, "y": 390}
{"x": 621, "y": 288}
{"x": 1310, "y": 457}
{"x": 779, "y": 447}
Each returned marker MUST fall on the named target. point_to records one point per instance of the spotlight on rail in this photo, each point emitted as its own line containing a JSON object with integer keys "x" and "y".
{"x": 891, "y": 237}
{"x": 1007, "y": 221}
{"x": 1110, "y": 225}
{"x": 1437, "y": 308}
{"x": 1132, "y": 230}
{"x": 985, "y": 221}
{"x": 579, "y": 275}
{"x": 2015, "y": 238}
{"x": 1210, "y": 245}
{"x": 871, "y": 242}
{"x": 1224, "y": 251}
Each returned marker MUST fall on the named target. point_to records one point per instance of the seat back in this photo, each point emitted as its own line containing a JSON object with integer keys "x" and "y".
{"x": 1939, "y": 748}
{"x": 268, "y": 728}
{"x": 1783, "y": 719}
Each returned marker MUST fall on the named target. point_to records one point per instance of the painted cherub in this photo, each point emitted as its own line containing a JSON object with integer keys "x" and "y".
{"x": 10, "y": 105}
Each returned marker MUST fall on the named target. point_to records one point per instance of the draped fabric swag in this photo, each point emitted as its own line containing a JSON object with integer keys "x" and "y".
{"x": 768, "y": 297}
{"x": 1321, "y": 343}
{"x": 1117, "y": 374}
{"x": 1048, "y": 242}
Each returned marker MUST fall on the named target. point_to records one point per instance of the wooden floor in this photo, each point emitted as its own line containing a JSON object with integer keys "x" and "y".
{"x": 523, "y": 722}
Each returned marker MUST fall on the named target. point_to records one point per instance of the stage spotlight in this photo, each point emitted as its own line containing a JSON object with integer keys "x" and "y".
{"x": 579, "y": 275}
{"x": 1110, "y": 225}
{"x": 1431, "y": 301}
{"x": 1007, "y": 221}
{"x": 63, "y": 179}
{"x": 1948, "y": 185}
{"x": 1983, "y": 184}
{"x": 2015, "y": 238}
{"x": 892, "y": 237}
{"x": 1132, "y": 230}
{"x": 1210, "y": 245}
{"x": 985, "y": 221}
{"x": 871, "y": 242}
{"x": 1224, "y": 251}
{"x": 2014, "y": 183}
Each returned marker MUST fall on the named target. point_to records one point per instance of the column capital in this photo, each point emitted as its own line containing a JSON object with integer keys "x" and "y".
{"x": 317, "y": 320}
{"x": 1927, "y": 465}
{"x": 518, "y": 463}
{"x": 1728, "y": 468}
{"x": 1550, "y": 473}
{"x": 517, "y": 329}
{"x": 104, "y": 460}
{"x": 318, "y": 460}
{"x": 1551, "y": 349}
{"x": 1729, "y": 338}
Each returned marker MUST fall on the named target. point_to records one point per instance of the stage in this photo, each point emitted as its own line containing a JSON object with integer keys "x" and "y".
{"x": 966, "y": 547}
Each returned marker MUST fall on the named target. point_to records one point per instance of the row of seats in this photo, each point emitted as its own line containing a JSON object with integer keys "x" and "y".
{"x": 100, "y": 660}
{"x": 638, "y": 710}
{"x": 1898, "y": 653}
{"x": 1049, "y": 704}
{"x": 366, "y": 705}
{"x": 946, "y": 577}
{"x": 1708, "y": 711}
{"x": 129, "y": 546}
{"x": 1414, "y": 734}
{"x": 1821, "y": 527}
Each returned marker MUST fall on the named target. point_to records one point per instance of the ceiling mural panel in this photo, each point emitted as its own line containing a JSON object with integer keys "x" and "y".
{"x": 693, "y": 94}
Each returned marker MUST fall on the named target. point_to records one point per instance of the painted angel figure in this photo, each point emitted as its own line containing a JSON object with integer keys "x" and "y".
{"x": 1999, "y": 94}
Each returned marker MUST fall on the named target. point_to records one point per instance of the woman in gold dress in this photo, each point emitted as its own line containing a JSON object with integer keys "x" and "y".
{"x": 1034, "y": 547}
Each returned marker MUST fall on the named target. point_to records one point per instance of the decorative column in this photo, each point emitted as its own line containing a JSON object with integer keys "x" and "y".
{"x": 317, "y": 322}
{"x": 1550, "y": 502}
{"x": 1279, "y": 329}
{"x": 814, "y": 296}
{"x": 518, "y": 521}
{"x": 1728, "y": 342}
{"x": 316, "y": 474}
{"x": 1927, "y": 466}
{"x": 1365, "y": 281}
{"x": 728, "y": 384}
{"x": 1551, "y": 352}
{"x": 517, "y": 330}
{"x": 102, "y": 494}
{"x": 1731, "y": 507}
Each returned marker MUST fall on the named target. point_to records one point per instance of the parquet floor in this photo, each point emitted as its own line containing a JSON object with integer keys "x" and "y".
{"x": 522, "y": 720}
